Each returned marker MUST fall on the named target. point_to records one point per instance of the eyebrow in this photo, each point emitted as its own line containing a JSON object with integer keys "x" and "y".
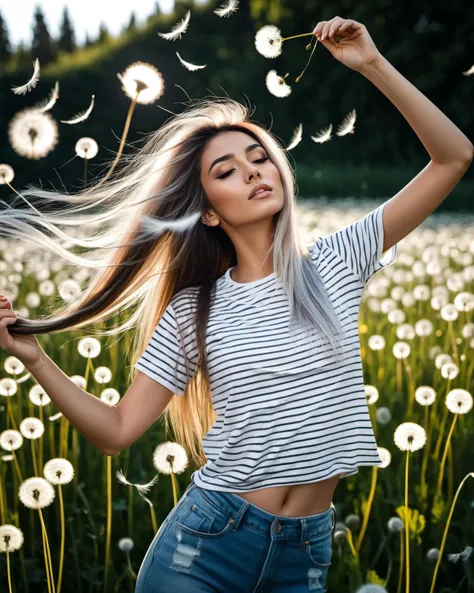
{"x": 230, "y": 155}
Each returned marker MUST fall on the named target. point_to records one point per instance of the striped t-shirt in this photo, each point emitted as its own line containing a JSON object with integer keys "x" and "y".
{"x": 285, "y": 414}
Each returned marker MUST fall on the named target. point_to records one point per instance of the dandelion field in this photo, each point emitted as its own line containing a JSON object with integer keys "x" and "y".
{"x": 417, "y": 340}
{"x": 74, "y": 519}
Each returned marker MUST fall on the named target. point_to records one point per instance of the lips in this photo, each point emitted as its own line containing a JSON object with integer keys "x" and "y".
{"x": 257, "y": 187}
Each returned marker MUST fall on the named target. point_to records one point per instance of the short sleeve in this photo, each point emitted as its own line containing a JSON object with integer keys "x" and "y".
{"x": 360, "y": 245}
{"x": 163, "y": 358}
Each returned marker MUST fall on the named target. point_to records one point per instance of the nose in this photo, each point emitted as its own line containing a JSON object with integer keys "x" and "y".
{"x": 254, "y": 172}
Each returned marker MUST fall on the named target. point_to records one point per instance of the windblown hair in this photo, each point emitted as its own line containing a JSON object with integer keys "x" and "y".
{"x": 149, "y": 260}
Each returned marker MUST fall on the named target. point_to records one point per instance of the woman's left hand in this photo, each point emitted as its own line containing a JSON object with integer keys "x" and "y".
{"x": 348, "y": 41}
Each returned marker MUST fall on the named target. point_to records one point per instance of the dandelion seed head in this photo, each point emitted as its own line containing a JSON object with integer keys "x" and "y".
{"x": 110, "y": 395}
{"x": 385, "y": 456}
{"x": 449, "y": 370}
{"x": 88, "y": 347}
{"x": 11, "y": 439}
{"x": 395, "y": 524}
{"x": 8, "y": 387}
{"x": 459, "y": 401}
{"x": 170, "y": 458}
{"x": 6, "y": 174}
{"x": 376, "y": 342}
{"x": 401, "y": 350}
{"x": 13, "y": 365}
{"x": 31, "y": 428}
{"x": 69, "y": 290}
{"x": 425, "y": 395}
{"x": 352, "y": 521}
{"x": 126, "y": 544}
{"x": 409, "y": 436}
{"x": 11, "y": 538}
{"x": 340, "y": 531}
{"x": 36, "y": 493}
{"x": 86, "y": 148}
{"x": 79, "y": 380}
{"x": 33, "y": 134}
{"x": 423, "y": 327}
{"x": 58, "y": 471}
{"x": 268, "y": 41}
{"x": 145, "y": 78}
{"x": 383, "y": 415}
{"x": 371, "y": 393}
{"x": 432, "y": 554}
{"x": 102, "y": 374}
{"x": 277, "y": 85}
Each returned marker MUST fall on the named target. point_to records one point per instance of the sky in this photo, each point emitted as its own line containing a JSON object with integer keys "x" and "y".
{"x": 86, "y": 15}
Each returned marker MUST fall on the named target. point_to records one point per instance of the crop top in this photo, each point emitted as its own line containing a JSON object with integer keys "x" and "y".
{"x": 285, "y": 414}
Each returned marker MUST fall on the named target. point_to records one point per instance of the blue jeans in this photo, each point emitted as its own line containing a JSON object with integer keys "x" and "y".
{"x": 218, "y": 542}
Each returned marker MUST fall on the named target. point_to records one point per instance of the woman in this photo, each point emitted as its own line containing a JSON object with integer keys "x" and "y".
{"x": 256, "y": 335}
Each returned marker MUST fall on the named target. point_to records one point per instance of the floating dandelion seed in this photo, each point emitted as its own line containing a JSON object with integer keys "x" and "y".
{"x": 48, "y": 104}
{"x": 410, "y": 436}
{"x": 11, "y": 538}
{"x": 188, "y": 65}
{"x": 470, "y": 71}
{"x": 268, "y": 41}
{"x": 463, "y": 556}
{"x": 22, "y": 90}
{"x": 152, "y": 225}
{"x": 142, "y": 488}
{"x": 178, "y": 29}
{"x": 33, "y": 134}
{"x": 296, "y": 138}
{"x": 87, "y": 148}
{"x": 323, "y": 136}
{"x": 277, "y": 85}
{"x": 80, "y": 116}
{"x": 347, "y": 124}
{"x": 227, "y": 9}
{"x": 6, "y": 174}
{"x": 144, "y": 79}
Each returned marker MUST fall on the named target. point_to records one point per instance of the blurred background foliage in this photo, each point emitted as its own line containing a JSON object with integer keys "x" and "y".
{"x": 431, "y": 44}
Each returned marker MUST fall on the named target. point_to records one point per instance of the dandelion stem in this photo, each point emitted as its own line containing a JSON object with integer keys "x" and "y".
{"x": 8, "y": 572}
{"x": 402, "y": 556}
{"x": 296, "y": 36}
{"x": 407, "y": 583}
{"x": 367, "y": 508}
{"x": 443, "y": 541}
{"x": 443, "y": 460}
{"x": 63, "y": 534}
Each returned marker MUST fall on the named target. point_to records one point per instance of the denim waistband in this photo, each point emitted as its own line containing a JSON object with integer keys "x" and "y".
{"x": 242, "y": 510}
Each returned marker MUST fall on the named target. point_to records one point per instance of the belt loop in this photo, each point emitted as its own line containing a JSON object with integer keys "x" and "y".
{"x": 304, "y": 531}
{"x": 235, "y": 521}
{"x": 334, "y": 516}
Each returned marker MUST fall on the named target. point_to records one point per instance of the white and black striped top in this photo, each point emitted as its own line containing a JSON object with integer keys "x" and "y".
{"x": 285, "y": 414}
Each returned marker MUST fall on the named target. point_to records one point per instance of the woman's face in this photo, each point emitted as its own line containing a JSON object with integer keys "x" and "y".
{"x": 229, "y": 181}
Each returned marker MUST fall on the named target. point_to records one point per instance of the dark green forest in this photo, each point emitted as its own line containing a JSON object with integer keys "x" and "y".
{"x": 431, "y": 44}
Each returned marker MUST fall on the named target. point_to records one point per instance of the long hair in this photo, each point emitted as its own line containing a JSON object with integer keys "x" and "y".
{"x": 144, "y": 268}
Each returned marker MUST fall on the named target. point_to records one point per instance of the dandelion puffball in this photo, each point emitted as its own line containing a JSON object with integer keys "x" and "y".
{"x": 10, "y": 439}
{"x": 268, "y": 41}
{"x": 36, "y": 493}
{"x": 11, "y": 538}
{"x": 33, "y": 134}
{"x": 459, "y": 401}
{"x": 277, "y": 85}
{"x": 58, "y": 471}
{"x": 170, "y": 458}
{"x": 409, "y": 436}
{"x": 86, "y": 148}
{"x": 31, "y": 428}
{"x": 6, "y": 174}
{"x": 144, "y": 79}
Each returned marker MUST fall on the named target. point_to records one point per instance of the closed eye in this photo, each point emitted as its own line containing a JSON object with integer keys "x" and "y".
{"x": 227, "y": 173}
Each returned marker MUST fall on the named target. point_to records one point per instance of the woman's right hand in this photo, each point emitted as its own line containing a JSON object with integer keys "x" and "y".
{"x": 25, "y": 348}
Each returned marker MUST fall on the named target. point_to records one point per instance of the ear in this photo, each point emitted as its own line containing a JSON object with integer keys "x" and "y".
{"x": 210, "y": 219}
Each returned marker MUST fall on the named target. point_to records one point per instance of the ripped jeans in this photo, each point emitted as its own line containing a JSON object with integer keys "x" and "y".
{"x": 218, "y": 542}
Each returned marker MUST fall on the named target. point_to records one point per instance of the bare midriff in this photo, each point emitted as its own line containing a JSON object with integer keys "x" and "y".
{"x": 294, "y": 500}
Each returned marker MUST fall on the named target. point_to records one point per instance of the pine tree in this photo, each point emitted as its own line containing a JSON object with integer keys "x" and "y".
{"x": 132, "y": 25}
{"x": 88, "y": 41}
{"x": 104, "y": 34}
{"x": 23, "y": 57}
{"x": 43, "y": 46}
{"x": 5, "y": 50}
{"x": 66, "y": 40}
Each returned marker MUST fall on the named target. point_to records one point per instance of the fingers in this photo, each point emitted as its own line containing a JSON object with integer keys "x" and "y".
{"x": 337, "y": 25}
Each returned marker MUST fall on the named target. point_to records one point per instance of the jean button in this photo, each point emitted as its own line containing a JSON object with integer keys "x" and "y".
{"x": 277, "y": 527}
